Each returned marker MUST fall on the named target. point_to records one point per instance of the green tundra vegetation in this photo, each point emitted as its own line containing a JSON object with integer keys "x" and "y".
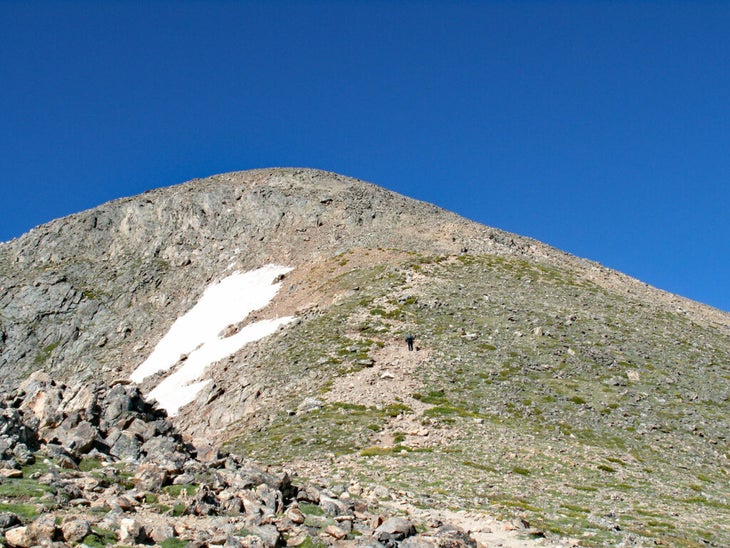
{"x": 592, "y": 414}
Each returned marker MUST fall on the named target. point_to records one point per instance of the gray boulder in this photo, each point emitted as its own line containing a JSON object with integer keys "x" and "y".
{"x": 150, "y": 477}
{"x": 22, "y": 454}
{"x": 8, "y": 520}
{"x": 44, "y": 530}
{"x": 449, "y": 536}
{"x": 74, "y": 530}
{"x": 269, "y": 535}
{"x": 126, "y": 447}
{"x": 77, "y": 439}
{"x": 162, "y": 532}
{"x": 332, "y": 506}
{"x": 18, "y": 537}
{"x": 132, "y": 531}
{"x": 394, "y": 530}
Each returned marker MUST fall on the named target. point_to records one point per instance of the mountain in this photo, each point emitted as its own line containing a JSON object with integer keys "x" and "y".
{"x": 267, "y": 310}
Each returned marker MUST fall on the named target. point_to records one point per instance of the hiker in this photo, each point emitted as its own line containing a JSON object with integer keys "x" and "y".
{"x": 409, "y": 340}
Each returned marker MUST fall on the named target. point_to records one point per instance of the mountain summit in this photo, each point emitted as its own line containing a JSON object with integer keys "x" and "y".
{"x": 83, "y": 291}
{"x": 268, "y": 310}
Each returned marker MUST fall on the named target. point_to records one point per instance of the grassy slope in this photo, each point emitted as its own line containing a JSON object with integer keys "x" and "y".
{"x": 596, "y": 416}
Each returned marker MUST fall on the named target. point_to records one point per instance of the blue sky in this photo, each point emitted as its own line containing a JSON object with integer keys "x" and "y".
{"x": 602, "y": 128}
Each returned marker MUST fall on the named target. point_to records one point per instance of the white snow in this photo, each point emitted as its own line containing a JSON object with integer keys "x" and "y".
{"x": 197, "y": 334}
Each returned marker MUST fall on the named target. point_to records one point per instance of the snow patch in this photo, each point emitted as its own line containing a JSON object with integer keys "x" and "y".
{"x": 197, "y": 334}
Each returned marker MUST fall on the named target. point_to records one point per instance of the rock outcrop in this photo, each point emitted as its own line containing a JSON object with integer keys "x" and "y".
{"x": 71, "y": 479}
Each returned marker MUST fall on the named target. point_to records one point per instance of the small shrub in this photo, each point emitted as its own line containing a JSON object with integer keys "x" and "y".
{"x": 176, "y": 490}
{"x": 24, "y": 488}
{"x": 44, "y": 354}
{"x": 310, "y": 509}
{"x": 100, "y": 537}
{"x": 395, "y": 409}
{"x": 87, "y": 465}
{"x": 377, "y": 450}
{"x": 40, "y": 465}
{"x": 93, "y": 541}
{"x": 449, "y": 411}
{"x": 310, "y": 542}
{"x": 26, "y": 511}
{"x": 478, "y": 466}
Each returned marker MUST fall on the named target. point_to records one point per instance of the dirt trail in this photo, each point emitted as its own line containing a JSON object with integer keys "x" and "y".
{"x": 485, "y": 529}
{"x": 391, "y": 380}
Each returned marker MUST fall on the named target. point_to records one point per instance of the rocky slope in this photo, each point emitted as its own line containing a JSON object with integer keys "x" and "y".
{"x": 96, "y": 465}
{"x": 80, "y": 294}
{"x": 543, "y": 386}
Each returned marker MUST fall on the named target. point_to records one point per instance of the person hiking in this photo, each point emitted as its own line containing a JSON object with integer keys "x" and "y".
{"x": 409, "y": 341}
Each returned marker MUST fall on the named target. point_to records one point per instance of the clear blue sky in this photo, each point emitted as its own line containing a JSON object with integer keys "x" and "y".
{"x": 602, "y": 128}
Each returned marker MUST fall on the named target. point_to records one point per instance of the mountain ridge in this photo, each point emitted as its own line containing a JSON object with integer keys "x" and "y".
{"x": 129, "y": 237}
